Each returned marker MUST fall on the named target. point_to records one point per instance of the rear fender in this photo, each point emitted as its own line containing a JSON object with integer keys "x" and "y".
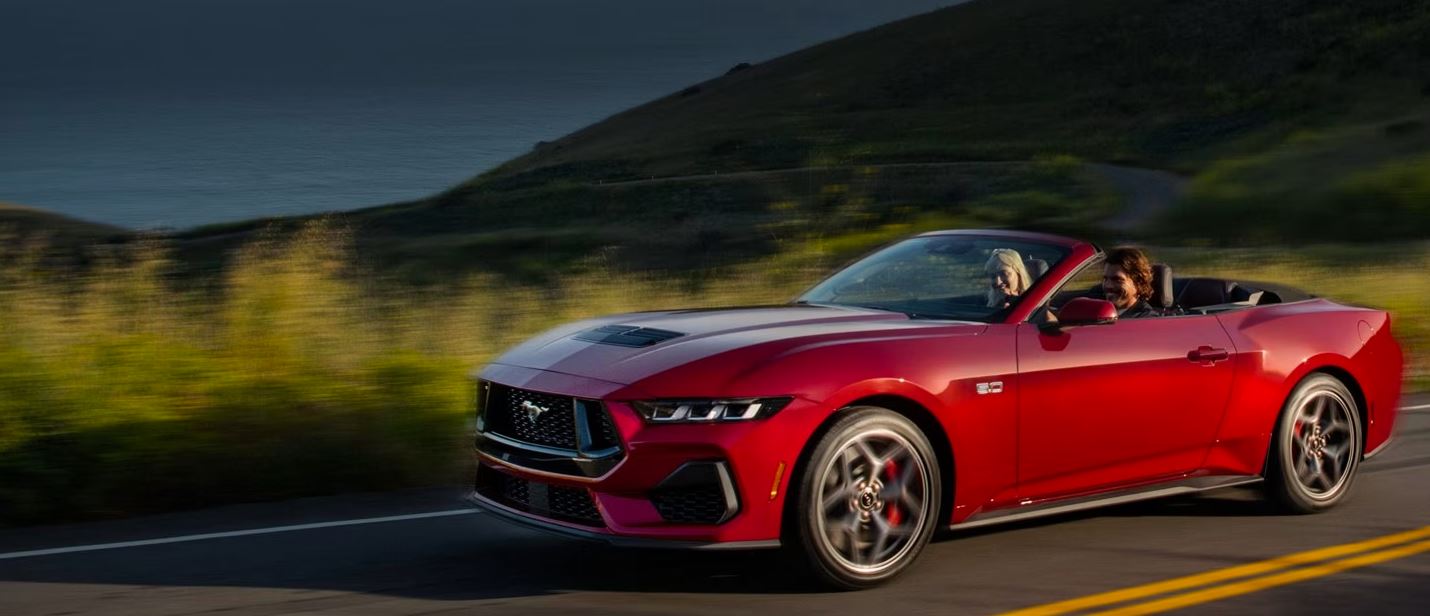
{"x": 1277, "y": 347}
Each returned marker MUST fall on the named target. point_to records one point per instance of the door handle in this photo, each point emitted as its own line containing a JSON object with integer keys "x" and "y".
{"x": 1207, "y": 355}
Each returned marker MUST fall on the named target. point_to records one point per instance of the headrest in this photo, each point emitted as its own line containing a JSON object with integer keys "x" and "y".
{"x": 1036, "y": 268}
{"x": 1203, "y": 292}
{"x": 1161, "y": 286}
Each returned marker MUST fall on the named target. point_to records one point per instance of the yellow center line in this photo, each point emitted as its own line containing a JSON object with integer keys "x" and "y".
{"x": 1221, "y": 575}
{"x": 1271, "y": 581}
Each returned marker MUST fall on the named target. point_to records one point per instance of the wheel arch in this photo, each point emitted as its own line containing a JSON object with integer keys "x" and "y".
{"x": 1357, "y": 394}
{"x": 1338, "y": 367}
{"x": 910, "y": 409}
{"x": 1334, "y": 371}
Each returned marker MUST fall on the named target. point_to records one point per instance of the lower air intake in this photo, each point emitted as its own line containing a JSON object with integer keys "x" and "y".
{"x": 557, "y": 502}
{"x": 697, "y": 493}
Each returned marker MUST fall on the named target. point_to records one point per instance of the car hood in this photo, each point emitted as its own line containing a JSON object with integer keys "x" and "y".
{"x": 598, "y": 348}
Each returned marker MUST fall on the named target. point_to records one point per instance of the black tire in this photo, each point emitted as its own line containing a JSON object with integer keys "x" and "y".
{"x": 876, "y": 516}
{"x": 1316, "y": 448}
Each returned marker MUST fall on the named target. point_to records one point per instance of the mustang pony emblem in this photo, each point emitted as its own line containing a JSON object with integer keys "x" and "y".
{"x": 533, "y": 411}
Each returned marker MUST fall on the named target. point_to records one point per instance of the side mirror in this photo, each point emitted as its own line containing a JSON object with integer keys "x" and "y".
{"x": 1084, "y": 311}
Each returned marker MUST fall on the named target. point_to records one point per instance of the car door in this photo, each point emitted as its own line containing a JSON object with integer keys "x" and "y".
{"x": 1104, "y": 406}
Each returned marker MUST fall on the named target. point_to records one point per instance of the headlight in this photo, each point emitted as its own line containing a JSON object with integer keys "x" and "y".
{"x": 671, "y": 411}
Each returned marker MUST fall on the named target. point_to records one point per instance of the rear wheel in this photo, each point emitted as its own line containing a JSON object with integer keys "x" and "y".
{"x": 1317, "y": 447}
{"x": 868, "y": 499}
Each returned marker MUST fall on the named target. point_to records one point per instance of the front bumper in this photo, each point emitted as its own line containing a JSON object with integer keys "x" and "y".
{"x": 731, "y": 477}
{"x": 577, "y": 532}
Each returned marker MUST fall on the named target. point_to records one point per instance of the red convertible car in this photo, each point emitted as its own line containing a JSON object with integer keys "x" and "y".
{"x": 907, "y": 392}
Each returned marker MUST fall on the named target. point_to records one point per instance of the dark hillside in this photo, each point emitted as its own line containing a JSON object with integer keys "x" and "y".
{"x": 22, "y": 224}
{"x": 1274, "y": 108}
{"x": 1163, "y": 83}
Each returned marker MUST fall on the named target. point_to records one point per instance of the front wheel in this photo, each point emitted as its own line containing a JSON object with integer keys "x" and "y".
{"x": 1316, "y": 448}
{"x": 868, "y": 499}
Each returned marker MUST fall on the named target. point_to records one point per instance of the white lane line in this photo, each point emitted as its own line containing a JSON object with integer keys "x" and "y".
{"x": 235, "y": 533}
{"x": 1418, "y": 407}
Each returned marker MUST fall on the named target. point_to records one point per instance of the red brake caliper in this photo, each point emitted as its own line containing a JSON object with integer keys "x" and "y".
{"x": 894, "y": 515}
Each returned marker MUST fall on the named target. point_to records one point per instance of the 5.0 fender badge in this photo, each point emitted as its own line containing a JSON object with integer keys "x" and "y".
{"x": 995, "y": 387}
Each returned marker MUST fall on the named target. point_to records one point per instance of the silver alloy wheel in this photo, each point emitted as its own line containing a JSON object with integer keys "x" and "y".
{"x": 871, "y": 501}
{"x": 1323, "y": 438}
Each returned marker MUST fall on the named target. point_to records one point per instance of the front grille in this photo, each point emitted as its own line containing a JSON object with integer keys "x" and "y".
{"x": 549, "y": 420}
{"x": 557, "y": 502}
{"x": 553, "y": 427}
{"x": 692, "y": 505}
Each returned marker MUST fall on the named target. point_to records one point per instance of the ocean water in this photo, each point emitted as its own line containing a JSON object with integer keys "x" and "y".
{"x": 177, "y": 113}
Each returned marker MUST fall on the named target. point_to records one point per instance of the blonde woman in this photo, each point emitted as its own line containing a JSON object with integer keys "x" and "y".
{"x": 1007, "y": 277}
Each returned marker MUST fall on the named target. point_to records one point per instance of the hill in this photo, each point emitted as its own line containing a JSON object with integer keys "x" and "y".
{"x": 1274, "y": 109}
{"x": 22, "y": 224}
{"x": 1161, "y": 83}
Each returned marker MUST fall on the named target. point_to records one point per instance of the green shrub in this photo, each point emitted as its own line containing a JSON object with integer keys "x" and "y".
{"x": 1356, "y": 185}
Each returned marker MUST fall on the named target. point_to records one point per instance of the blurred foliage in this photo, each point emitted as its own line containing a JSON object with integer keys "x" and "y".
{"x": 1365, "y": 183}
{"x": 120, "y": 393}
{"x": 124, "y": 389}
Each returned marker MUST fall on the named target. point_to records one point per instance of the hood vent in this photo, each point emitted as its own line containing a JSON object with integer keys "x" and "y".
{"x": 627, "y": 335}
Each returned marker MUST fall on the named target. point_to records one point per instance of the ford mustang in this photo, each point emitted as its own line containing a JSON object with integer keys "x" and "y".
{"x": 908, "y": 393}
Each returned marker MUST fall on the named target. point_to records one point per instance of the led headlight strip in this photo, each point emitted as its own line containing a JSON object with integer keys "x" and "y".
{"x": 695, "y": 411}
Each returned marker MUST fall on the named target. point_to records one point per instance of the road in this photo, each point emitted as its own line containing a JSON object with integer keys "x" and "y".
{"x": 460, "y": 562}
{"x": 1149, "y": 192}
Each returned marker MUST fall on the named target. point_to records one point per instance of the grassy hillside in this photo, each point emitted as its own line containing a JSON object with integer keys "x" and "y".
{"x": 1163, "y": 83}
{"x": 1296, "y": 120}
{"x": 681, "y": 226}
{"x": 1365, "y": 182}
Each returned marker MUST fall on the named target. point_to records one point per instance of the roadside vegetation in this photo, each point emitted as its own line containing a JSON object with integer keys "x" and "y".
{"x": 126, "y": 389}
{"x": 1366, "y": 183}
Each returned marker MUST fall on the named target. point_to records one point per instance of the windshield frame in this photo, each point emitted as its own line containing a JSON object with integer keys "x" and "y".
{"x": 1065, "y": 249}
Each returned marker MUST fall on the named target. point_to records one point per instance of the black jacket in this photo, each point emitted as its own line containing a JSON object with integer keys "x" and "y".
{"x": 1138, "y": 310}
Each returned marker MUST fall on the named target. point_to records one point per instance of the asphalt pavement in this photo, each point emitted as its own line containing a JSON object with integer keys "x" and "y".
{"x": 425, "y": 552}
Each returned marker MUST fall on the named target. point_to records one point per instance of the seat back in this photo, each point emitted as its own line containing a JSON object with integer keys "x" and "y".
{"x": 1162, "y": 297}
{"x": 1036, "y": 268}
{"x": 1198, "y": 292}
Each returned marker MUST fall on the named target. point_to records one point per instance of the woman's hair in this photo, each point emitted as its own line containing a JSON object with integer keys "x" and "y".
{"x": 1133, "y": 261}
{"x": 1009, "y": 258}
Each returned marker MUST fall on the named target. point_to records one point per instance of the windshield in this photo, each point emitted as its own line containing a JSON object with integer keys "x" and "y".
{"x": 941, "y": 277}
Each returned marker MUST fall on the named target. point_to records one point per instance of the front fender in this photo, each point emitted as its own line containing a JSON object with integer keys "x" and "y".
{"x": 937, "y": 373}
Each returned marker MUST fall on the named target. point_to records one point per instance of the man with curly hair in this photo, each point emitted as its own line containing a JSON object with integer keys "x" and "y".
{"x": 1127, "y": 282}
